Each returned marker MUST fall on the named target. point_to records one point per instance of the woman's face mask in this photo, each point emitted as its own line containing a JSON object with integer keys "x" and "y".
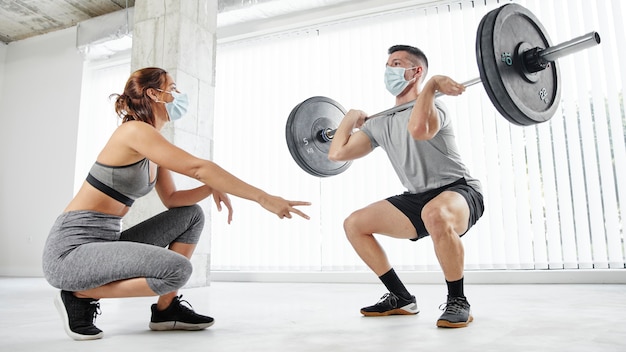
{"x": 395, "y": 81}
{"x": 177, "y": 108}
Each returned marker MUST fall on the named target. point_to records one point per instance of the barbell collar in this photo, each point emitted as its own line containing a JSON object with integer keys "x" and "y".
{"x": 537, "y": 59}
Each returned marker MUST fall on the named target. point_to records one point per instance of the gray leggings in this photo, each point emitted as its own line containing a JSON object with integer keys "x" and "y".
{"x": 85, "y": 249}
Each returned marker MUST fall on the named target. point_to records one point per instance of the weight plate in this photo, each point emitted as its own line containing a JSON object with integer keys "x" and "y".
{"x": 522, "y": 98}
{"x": 304, "y": 124}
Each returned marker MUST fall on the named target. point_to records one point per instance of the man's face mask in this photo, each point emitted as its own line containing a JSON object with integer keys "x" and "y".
{"x": 395, "y": 81}
{"x": 177, "y": 107}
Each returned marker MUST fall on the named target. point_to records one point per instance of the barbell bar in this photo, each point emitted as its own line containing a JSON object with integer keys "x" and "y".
{"x": 517, "y": 66}
{"x": 538, "y": 57}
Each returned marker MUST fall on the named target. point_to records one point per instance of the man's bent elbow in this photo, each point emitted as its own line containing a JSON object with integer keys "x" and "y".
{"x": 420, "y": 133}
{"x": 333, "y": 157}
{"x": 336, "y": 156}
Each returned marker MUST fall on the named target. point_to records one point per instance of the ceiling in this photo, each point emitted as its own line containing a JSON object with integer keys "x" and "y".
{"x": 21, "y": 19}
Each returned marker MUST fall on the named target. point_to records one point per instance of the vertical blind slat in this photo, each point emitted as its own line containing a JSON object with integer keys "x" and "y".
{"x": 616, "y": 96}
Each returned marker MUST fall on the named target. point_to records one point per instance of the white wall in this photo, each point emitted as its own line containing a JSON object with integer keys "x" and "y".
{"x": 39, "y": 107}
{"x": 3, "y": 54}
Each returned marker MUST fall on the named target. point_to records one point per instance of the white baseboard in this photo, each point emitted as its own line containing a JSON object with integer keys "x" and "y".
{"x": 579, "y": 276}
{"x": 493, "y": 277}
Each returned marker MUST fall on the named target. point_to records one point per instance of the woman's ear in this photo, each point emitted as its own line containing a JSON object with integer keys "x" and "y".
{"x": 151, "y": 92}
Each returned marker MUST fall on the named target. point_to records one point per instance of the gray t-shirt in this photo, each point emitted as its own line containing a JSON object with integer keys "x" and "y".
{"x": 420, "y": 165}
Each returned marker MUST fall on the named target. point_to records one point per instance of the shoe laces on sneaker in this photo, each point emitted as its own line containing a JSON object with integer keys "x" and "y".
{"x": 94, "y": 306}
{"x": 180, "y": 301}
{"x": 454, "y": 305}
{"x": 389, "y": 298}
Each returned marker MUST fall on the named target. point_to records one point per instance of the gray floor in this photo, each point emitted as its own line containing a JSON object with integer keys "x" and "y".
{"x": 325, "y": 317}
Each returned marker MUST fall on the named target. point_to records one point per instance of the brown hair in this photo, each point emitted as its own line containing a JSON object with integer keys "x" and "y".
{"x": 134, "y": 103}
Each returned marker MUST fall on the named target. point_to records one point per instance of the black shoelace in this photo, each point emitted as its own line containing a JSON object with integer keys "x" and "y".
{"x": 95, "y": 308}
{"x": 181, "y": 306}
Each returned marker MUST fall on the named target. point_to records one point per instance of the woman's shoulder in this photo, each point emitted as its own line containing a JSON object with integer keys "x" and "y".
{"x": 135, "y": 124}
{"x": 131, "y": 133}
{"x": 134, "y": 127}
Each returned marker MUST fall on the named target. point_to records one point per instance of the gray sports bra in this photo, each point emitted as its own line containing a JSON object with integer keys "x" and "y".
{"x": 122, "y": 183}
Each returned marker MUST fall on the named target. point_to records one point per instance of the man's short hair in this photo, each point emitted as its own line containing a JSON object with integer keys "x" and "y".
{"x": 411, "y": 50}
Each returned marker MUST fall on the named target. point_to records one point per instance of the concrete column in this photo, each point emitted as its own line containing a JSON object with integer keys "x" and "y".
{"x": 179, "y": 36}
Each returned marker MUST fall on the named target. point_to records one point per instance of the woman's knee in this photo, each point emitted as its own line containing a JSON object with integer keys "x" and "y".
{"x": 183, "y": 271}
{"x": 197, "y": 214}
{"x": 173, "y": 276}
{"x": 195, "y": 218}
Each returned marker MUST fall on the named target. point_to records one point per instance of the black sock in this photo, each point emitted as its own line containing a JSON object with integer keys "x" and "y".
{"x": 394, "y": 285}
{"x": 455, "y": 288}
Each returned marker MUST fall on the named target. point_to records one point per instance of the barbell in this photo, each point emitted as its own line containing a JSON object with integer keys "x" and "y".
{"x": 517, "y": 66}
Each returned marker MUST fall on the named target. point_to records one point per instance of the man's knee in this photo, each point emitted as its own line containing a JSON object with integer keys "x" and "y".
{"x": 438, "y": 220}
{"x": 352, "y": 225}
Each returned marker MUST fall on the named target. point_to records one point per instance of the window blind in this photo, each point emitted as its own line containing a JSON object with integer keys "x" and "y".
{"x": 552, "y": 191}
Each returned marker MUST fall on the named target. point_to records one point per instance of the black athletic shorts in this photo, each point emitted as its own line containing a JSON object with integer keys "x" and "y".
{"x": 411, "y": 204}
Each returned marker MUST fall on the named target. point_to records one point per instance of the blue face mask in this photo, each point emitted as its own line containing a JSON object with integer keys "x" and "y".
{"x": 395, "y": 81}
{"x": 177, "y": 107}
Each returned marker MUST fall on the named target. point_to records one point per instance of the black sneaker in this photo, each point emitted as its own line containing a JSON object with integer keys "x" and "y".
{"x": 78, "y": 315}
{"x": 457, "y": 313}
{"x": 178, "y": 317}
{"x": 390, "y": 304}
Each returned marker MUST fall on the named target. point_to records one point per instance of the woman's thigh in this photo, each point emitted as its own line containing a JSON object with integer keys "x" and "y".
{"x": 182, "y": 224}
{"x": 96, "y": 264}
